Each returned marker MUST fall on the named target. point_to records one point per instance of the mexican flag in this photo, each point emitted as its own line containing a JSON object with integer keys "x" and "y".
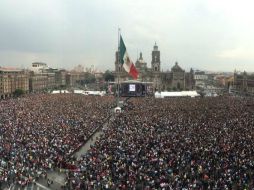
{"x": 126, "y": 62}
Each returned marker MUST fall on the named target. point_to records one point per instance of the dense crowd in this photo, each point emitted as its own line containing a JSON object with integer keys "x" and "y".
{"x": 204, "y": 143}
{"x": 41, "y": 132}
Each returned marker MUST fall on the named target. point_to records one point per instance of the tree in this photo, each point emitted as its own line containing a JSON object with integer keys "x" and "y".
{"x": 169, "y": 89}
{"x": 88, "y": 79}
{"x": 108, "y": 76}
{"x": 18, "y": 92}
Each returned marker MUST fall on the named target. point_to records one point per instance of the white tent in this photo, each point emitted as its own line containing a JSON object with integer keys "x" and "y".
{"x": 176, "y": 94}
{"x": 78, "y": 91}
{"x": 59, "y": 91}
{"x": 157, "y": 95}
{"x": 96, "y": 93}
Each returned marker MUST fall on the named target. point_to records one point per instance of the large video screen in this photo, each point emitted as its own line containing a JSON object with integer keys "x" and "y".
{"x": 132, "y": 90}
{"x": 132, "y": 87}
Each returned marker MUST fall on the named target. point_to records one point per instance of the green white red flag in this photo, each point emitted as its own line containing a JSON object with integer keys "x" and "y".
{"x": 125, "y": 60}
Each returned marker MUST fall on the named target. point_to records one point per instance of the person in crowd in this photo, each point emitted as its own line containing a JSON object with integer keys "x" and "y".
{"x": 173, "y": 144}
{"x": 41, "y": 132}
{"x": 178, "y": 143}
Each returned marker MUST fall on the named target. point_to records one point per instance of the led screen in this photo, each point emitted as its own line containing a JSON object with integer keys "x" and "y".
{"x": 132, "y": 87}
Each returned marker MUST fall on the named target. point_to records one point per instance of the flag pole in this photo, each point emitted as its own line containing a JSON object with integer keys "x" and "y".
{"x": 118, "y": 68}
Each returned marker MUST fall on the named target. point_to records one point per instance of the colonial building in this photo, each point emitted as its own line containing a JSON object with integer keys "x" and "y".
{"x": 37, "y": 82}
{"x": 11, "y": 80}
{"x": 39, "y": 67}
{"x": 243, "y": 83}
{"x": 73, "y": 78}
{"x": 200, "y": 78}
{"x": 43, "y": 77}
{"x": 40, "y": 82}
{"x": 61, "y": 77}
{"x": 176, "y": 79}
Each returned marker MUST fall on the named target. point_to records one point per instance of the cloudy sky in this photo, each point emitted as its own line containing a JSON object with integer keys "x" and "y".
{"x": 216, "y": 35}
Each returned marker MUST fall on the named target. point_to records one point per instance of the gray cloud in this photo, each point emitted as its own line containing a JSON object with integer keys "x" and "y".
{"x": 204, "y": 34}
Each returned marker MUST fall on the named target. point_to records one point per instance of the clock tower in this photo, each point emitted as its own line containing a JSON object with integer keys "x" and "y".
{"x": 156, "y": 61}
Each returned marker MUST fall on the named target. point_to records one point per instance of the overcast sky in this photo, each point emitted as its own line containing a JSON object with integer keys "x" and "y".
{"x": 216, "y": 35}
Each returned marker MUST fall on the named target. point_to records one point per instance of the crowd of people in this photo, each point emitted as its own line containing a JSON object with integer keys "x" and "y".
{"x": 203, "y": 143}
{"x": 178, "y": 143}
{"x": 41, "y": 132}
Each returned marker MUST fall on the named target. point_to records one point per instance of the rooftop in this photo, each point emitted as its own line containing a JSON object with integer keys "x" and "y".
{"x": 176, "y": 68}
{"x": 10, "y": 69}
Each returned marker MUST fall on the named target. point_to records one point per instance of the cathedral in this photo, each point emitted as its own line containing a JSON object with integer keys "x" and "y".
{"x": 174, "y": 80}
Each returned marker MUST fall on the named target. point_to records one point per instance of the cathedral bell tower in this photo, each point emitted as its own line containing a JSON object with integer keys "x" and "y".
{"x": 156, "y": 61}
{"x": 118, "y": 67}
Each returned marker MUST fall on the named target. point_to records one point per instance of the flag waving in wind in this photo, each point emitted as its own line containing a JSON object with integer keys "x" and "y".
{"x": 125, "y": 60}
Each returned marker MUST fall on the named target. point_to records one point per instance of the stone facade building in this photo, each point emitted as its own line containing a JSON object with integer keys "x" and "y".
{"x": 40, "y": 82}
{"x": 11, "y": 80}
{"x": 176, "y": 79}
{"x": 200, "y": 78}
{"x": 37, "y": 82}
{"x": 61, "y": 77}
{"x": 44, "y": 78}
{"x": 243, "y": 83}
{"x": 73, "y": 78}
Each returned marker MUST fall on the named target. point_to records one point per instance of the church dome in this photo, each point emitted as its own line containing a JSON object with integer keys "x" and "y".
{"x": 141, "y": 60}
{"x": 140, "y": 63}
{"x": 177, "y": 68}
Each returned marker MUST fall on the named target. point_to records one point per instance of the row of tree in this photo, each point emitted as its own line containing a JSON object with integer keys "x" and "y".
{"x": 90, "y": 78}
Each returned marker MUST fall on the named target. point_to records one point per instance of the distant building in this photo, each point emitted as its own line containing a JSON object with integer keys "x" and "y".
{"x": 78, "y": 69}
{"x": 200, "y": 78}
{"x": 41, "y": 82}
{"x": 61, "y": 77}
{"x": 39, "y": 67}
{"x": 98, "y": 76}
{"x": 11, "y": 80}
{"x": 141, "y": 64}
{"x": 74, "y": 78}
{"x": 243, "y": 83}
{"x": 42, "y": 77}
{"x": 176, "y": 79}
{"x": 37, "y": 82}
